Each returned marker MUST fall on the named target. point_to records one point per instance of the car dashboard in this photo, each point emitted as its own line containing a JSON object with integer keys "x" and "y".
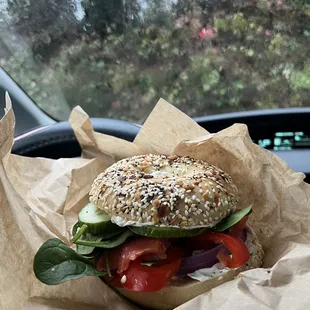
{"x": 285, "y": 132}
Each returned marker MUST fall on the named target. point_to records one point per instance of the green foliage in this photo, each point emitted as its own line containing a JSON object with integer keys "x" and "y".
{"x": 39, "y": 82}
{"x": 46, "y": 23}
{"x": 31, "y": 17}
{"x": 129, "y": 57}
{"x": 239, "y": 24}
{"x": 301, "y": 79}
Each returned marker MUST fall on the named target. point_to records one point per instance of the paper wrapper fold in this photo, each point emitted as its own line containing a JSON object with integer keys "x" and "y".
{"x": 40, "y": 199}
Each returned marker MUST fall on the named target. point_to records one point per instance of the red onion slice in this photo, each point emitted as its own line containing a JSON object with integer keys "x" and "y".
{"x": 206, "y": 259}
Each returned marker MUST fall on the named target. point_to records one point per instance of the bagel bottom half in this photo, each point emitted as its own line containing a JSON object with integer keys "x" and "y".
{"x": 181, "y": 290}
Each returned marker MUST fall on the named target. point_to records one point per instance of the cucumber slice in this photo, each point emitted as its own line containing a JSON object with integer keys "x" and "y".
{"x": 232, "y": 219}
{"x": 166, "y": 232}
{"x": 98, "y": 222}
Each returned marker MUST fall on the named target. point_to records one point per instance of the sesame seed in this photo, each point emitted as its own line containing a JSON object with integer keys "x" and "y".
{"x": 124, "y": 279}
{"x": 135, "y": 194}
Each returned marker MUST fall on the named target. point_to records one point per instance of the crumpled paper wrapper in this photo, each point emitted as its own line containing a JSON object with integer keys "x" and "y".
{"x": 40, "y": 199}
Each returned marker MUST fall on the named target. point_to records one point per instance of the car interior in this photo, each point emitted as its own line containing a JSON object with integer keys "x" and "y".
{"x": 180, "y": 218}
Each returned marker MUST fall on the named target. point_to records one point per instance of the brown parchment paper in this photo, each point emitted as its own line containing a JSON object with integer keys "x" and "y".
{"x": 40, "y": 198}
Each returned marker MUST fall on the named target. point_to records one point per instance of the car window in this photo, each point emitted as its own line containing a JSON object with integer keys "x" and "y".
{"x": 117, "y": 58}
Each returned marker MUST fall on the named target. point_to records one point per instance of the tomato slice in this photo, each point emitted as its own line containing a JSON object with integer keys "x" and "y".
{"x": 148, "y": 249}
{"x": 239, "y": 252}
{"x": 237, "y": 228}
{"x": 142, "y": 278}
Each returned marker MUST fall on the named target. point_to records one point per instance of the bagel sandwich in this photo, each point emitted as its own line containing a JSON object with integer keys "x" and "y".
{"x": 160, "y": 230}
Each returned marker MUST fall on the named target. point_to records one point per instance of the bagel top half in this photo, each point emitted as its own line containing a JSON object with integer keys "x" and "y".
{"x": 165, "y": 191}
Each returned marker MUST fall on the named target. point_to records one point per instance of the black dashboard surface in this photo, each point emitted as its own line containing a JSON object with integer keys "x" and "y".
{"x": 286, "y": 132}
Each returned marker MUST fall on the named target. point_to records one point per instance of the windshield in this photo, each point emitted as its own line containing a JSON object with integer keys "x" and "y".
{"x": 117, "y": 58}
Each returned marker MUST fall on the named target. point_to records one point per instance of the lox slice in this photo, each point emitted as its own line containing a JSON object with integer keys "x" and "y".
{"x": 147, "y": 249}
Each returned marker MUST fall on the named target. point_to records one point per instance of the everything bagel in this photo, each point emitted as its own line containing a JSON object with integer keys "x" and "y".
{"x": 168, "y": 191}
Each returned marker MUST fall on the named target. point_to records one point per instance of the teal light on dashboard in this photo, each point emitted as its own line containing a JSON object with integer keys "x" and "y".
{"x": 284, "y": 134}
{"x": 277, "y": 141}
{"x": 264, "y": 143}
{"x": 286, "y": 141}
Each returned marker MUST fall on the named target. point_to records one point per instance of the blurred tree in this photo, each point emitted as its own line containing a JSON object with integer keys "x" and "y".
{"x": 47, "y": 23}
{"x": 104, "y": 16}
{"x": 157, "y": 13}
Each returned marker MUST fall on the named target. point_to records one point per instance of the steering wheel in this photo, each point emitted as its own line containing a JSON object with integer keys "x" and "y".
{"x": 58, "y": 140}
